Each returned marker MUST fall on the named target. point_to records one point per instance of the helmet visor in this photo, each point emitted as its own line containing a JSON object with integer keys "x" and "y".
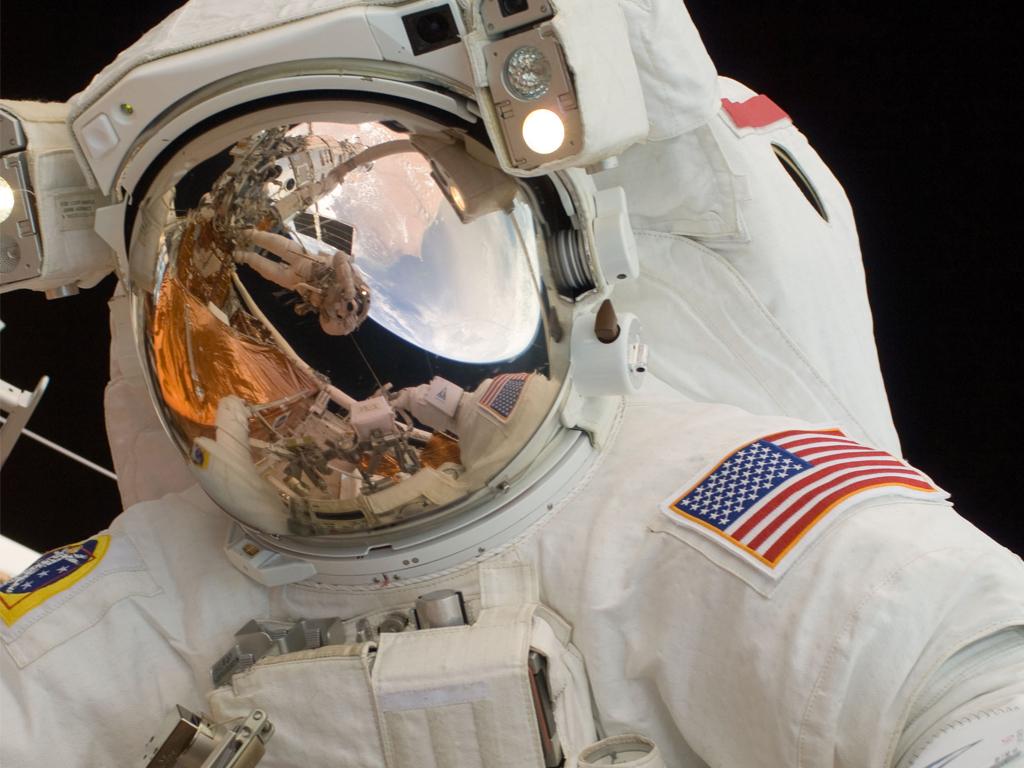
{"x": 303, "y": 289}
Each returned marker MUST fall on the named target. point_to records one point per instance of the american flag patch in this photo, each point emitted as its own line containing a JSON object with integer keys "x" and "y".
{"x": 766, "y": 497}
{"x": 502, "y": 396}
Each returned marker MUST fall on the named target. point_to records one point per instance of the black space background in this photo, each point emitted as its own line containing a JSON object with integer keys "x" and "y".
{"x": 918, "y": 112}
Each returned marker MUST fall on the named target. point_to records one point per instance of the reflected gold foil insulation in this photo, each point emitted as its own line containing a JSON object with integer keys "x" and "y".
{"x": 203, "y": 266}
{"x": 199, "y": 359}
{"x": 439, "y": 450}
{"x": 386, "y": 467}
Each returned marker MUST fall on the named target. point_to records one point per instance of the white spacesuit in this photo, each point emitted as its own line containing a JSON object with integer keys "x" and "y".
{"x": 460, "y": 535}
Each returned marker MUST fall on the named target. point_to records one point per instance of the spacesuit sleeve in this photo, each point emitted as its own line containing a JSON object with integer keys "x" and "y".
{"x": 910, "y": 638}
{"x": 972, "y": 710}
{"x": 920, "y": 600}
{"x": 147, "y": 463}
{"x": 832, "y": 664}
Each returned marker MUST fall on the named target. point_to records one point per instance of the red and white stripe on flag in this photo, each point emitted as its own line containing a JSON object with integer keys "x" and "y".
{"x": 767, "y": 497}
{"x": 502, "y": 396}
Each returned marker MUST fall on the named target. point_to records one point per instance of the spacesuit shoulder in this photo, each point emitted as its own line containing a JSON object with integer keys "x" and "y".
{"x": 754, "y": 494}
{"x": 92, "y": 638}
{"x": 67, "y": 591}
{"x": 734, "y": 90}
{"x": 166, "y": 552}
{"x": 154, "y": 605}
{"x": 881, "y": 575}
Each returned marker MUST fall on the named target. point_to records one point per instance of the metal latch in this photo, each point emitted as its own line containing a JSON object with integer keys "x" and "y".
{"x": 194, "y": 741}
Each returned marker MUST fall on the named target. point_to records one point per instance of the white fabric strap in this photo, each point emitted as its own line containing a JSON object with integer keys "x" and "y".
{"x": 320, "y": 702}
{"x": 508, "y": 583}
{"x": 461, "y": 696}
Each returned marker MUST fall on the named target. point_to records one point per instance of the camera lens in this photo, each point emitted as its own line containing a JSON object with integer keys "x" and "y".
{"x": 431, "y": 29}
{"x": 434, "y": 28}
{"x": 510, "y": 7}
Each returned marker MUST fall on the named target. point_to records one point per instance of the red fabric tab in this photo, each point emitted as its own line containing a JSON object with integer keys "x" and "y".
{"x": 756, "y": 112}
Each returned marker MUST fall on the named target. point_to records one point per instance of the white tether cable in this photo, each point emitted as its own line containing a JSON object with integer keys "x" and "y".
{"x": 61, "y": 449}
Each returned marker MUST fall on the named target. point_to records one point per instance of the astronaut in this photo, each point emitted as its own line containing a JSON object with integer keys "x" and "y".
{"x": 461, "y": 534}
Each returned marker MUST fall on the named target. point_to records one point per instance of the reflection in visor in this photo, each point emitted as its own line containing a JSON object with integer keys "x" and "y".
{"x": 340, "y": 341}
{"x": 443, "y": 286}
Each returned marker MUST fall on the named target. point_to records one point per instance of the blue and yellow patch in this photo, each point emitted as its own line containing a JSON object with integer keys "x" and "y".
{"x": 201, "y": 458}
{"x": 50, "y": 575}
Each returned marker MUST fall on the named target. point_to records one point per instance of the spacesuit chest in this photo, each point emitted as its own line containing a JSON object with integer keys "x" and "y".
{"x": 453, "y": 681}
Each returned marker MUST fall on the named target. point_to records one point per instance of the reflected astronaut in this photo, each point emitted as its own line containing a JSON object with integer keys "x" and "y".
{"x": 324, "y": 278}
{"x": 444, "y": 525}
{"x": 327, "y": 280}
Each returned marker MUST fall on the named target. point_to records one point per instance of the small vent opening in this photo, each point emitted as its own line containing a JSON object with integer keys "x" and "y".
{"x": 796, "y": 173}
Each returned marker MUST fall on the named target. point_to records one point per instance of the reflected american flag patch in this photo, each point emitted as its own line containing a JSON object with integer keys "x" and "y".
{"x": 767, "y": 496}
{"x": 502, "y": 395}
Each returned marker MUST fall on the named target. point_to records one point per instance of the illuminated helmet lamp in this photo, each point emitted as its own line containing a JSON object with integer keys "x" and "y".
{"x": 557, "y": 84}
{"x": 538, "y": 124}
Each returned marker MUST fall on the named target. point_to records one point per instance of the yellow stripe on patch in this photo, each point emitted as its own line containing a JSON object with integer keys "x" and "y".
{"x": 51, "y": 574}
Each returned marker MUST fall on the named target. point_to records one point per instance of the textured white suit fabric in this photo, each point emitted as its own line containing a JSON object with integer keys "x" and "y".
{"x": 821, "y": 667}
{"x": 147, "y": 463}
{"x": 747, "y": 295}
{"x": 673, "y": 65}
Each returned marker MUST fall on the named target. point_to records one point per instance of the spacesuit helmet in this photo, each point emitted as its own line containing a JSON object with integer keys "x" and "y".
{"x": 339, "y": 336}
{"x": 370, "y": 282}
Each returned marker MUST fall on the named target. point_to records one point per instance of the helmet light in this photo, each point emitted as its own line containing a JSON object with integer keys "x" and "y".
{"x": 527, "y": 73}
{"x": 6, "y": 199}
{"x": 543, "y": 131}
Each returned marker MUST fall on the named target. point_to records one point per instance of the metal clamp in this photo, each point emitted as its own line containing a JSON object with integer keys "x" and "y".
{"x": 194, "y": 741}
{"x": 259, "y": 639}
